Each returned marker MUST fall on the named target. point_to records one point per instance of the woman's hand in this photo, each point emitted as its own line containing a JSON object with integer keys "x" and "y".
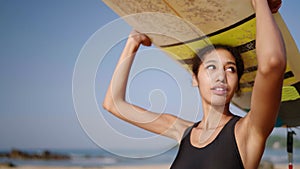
{"x": 274, "y": 5}
{"x": 139, "y": 38}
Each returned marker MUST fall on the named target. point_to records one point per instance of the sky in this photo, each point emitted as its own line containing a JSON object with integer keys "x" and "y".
{"x": 45, "y": 45}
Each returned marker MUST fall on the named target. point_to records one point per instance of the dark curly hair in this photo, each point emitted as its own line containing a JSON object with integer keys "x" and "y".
{"x": 199, "y": 56}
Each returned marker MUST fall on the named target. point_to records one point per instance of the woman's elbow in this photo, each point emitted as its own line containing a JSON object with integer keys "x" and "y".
{"x": 275, "y": 64}
{"x": 108, "y": 105}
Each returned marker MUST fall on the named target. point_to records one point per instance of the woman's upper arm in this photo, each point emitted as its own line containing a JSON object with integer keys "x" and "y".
{"x": 265, "y": 101}
{"x": 160, "y": 123}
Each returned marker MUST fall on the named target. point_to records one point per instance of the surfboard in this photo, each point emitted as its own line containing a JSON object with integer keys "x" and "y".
{"x": 181, "y": 27}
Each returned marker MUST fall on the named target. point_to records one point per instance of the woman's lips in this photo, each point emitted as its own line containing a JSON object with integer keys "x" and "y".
{"x": 220, "y": 90}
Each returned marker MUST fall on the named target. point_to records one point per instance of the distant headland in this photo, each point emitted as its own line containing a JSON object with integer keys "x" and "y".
{"x": 44, "y": 155}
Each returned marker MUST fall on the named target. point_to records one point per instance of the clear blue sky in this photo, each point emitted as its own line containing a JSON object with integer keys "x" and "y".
{"x": 40, "y": 42}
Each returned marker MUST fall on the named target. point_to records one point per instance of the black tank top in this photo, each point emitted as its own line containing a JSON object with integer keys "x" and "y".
{"x": 221, "y": 153}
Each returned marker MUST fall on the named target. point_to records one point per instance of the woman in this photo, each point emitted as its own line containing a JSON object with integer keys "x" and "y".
{"x": 221, "y": 139}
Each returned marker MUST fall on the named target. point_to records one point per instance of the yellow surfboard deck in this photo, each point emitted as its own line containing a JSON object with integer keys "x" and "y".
{"x": 180, "y": 27}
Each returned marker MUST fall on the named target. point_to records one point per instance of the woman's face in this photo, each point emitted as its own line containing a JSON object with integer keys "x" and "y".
{"x": 217, "y": 78}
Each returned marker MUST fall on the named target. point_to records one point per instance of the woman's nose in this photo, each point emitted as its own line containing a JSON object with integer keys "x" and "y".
{"x": 221, "y": 76}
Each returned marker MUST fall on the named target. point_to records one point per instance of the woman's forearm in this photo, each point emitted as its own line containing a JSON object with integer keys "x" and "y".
{"x": 270, "y": 46}
{"x": 120, "y": 76}
{"x": 117, "y": 88}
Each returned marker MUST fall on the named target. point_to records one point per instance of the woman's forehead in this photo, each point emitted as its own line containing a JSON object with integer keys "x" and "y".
{"x": 219, "y": 55}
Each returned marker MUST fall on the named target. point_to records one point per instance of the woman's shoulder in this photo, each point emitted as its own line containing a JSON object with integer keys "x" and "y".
{"x": 184, "y": 128}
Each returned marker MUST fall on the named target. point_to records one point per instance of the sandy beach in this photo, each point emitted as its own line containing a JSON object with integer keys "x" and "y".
{"x": 281, "y": 166}
{"x": 108, "y": 167}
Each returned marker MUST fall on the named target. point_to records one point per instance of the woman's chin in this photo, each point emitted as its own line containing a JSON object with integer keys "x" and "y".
{"x": 217, "y": 100}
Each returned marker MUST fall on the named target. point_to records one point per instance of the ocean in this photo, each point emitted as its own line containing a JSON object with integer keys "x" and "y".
{"x": 99, "y": 157}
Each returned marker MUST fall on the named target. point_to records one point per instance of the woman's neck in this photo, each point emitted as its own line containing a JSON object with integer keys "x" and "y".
{"x": 215, "y": 116}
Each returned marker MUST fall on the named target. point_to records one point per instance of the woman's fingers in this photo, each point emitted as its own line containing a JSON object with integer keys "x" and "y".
{"x": 274, "y": 5}
{"x": 140, "y": 38}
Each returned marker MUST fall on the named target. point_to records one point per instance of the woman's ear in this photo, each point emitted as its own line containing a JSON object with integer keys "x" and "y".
{"x": 194, "y": 80}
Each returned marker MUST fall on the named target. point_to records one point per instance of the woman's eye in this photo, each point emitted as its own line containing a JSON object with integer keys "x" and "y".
{"x": 230, "y": 69}
{"x": 211, "y": 67}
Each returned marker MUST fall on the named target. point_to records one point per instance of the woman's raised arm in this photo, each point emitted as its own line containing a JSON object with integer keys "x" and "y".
{"x": 271, "y": 58}
{"x": 114, "y": 102}
{"x": 257, "y": 125}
